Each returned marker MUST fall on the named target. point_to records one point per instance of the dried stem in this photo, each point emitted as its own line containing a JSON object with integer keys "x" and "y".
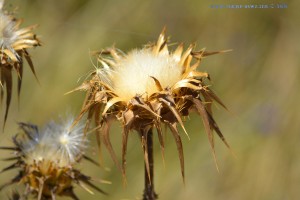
{"x": 149, "y": 193}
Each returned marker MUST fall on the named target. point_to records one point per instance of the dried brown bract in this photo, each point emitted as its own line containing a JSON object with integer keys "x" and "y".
{"x": 146, "y": 89}
{"x": 14, "y": 45}
{"x": 16, "y": 196}
{"x": 46, "y": 160}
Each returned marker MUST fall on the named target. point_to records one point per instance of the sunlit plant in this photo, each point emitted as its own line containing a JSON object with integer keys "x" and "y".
{"x": 46, "y": 160}
{"x": 14, "y": 45}
{"x": 144, "y": 90}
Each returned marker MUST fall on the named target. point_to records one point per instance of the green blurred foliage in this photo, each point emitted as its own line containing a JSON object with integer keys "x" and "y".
{"x": 258, "y": 81}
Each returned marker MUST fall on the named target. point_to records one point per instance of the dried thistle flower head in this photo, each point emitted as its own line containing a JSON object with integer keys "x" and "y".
{"x": 14, "y": 45}
{"x": 148, "y": 88}
{"x": 46, "y": 160}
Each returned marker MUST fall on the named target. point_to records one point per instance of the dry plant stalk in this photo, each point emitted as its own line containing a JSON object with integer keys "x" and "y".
{"x": 146, "y": 89}
{"x": 14, "y": 45}
{"x": 46, "y": 160}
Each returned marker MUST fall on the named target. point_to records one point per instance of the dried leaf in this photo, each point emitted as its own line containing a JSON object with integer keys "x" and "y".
{"x": 160, "y": 42}
{"x": 136, "y": 102}
{"x": 176, "y": 114}
{"x": 86, "y": 180}
{"x": 216, "y": 98}
{"x": 10, "y": 158}
{"x": 160, "y": 139}
{"x": 106, "y": 124}
{"x": 97, "y": 109}
{"x": 9, "y": 148}
{"x": 82, "y": 112}
{"x": 185, "y": 56}
{"x": 16, "y": 179}
{"x": 20, "y": 73}
{"x": 157, "y": 84}
{"x": 26, "y": 30}
{"x": 217, "y": 129}
{"x": 205, "y": 118}
{"x": 110, "y": 103}
{"x": 186, "y": 85}
{"x": 173, "y": 128}
{"x": 194, "y": 74}
{"x": 29, "y": 61}
{"x": 83, "y": 87}
{"x": 90, "y": 160}
{"x": 13, "y": 166}
{"x": 11, "y": 55}
{"x": 6, "y": 79}
{"x": 85, "y": 187}
{"x": 29, "y": 129}
{"x": 177, "y": 53}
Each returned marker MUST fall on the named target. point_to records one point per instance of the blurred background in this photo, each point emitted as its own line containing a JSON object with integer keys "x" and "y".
{"x": 258, "y": 81}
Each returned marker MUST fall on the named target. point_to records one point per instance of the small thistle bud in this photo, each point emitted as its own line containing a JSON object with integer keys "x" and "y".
{"x": 14, "y": 45}
{"x": 46, "y": 160}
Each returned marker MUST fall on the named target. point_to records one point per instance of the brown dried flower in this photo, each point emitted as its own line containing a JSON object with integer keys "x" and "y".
{"x": 14, "y": 43}
{"x": 148, "y": 88}
{"x": 46, "y": 160}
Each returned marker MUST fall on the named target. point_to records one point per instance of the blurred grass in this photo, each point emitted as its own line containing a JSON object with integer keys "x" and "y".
{"x": 258, "y": 81}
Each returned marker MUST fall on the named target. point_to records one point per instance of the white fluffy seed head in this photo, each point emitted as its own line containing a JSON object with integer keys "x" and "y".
{"x": 56, "y": 144}
{"x": 132, "y": 74}
{"x": 8, "y": 33}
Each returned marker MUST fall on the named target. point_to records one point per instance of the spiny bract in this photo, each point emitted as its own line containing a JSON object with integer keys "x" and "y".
{"x": 148, "y": 88}
{"x": 14, "y": 43}
{"x": 46, "y": 160}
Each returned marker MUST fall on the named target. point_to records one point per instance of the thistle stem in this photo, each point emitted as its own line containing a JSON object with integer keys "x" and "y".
{"x": 149, "y": 193}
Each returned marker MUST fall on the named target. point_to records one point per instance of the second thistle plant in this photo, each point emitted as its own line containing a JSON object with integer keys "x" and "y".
{"x": 46, "y": 160}
{"x": 14, "y": 45}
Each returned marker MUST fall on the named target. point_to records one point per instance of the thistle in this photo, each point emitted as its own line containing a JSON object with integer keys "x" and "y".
{"x": 14, "y": 45}
{"x": 16, "y": 196}
{"x": 146, "y": 89}
{"x": 46, "y": 160}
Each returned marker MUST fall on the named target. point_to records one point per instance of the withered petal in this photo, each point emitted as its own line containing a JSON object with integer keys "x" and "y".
{"x": 106, "y": 124}
{"x": 174, "y": 130}
{"x": 30, "y": 63}
{"x": 205, "y": 118}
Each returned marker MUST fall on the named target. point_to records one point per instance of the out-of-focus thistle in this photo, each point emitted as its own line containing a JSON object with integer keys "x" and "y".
{"x": 148, "y": 88}
{"x": 16, "y": 196}
{"x": 46, "y": 160}
{"x": 14, "y": 45}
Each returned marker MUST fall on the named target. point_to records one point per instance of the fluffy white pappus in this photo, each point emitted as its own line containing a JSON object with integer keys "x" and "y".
{"x": 8, "y": 34}
{"x": 132, "y": 74}
{"x": 56, "y": 143}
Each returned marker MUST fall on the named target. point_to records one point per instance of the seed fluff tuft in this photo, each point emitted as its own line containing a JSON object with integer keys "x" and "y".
{"x": 132, "y": 74}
